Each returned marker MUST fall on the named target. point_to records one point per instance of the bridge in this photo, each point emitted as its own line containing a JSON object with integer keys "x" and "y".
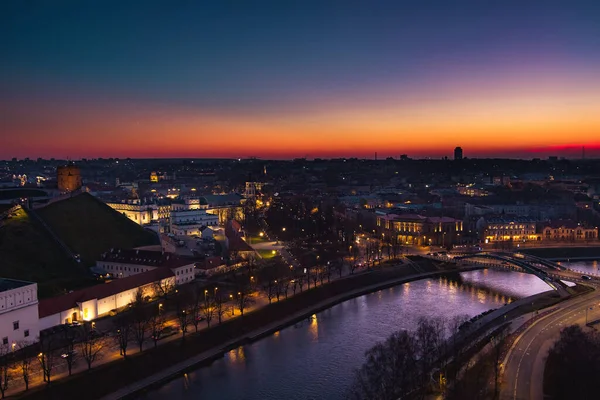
{"x": 551, "y": 273}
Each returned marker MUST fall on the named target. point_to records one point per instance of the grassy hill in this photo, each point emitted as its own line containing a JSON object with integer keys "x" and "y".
{"x": 28, "y": 253}
{"x": 90, "y": 227}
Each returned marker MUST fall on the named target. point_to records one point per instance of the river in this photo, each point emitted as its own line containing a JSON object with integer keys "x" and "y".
{"x": 315, "y": 359}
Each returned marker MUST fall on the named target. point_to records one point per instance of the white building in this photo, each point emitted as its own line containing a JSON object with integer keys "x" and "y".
{"x": 98, "y": 301}
{"x": 121, "y": 263}
{"x": 189, "y": 222}
{"x": 18, "y": 312}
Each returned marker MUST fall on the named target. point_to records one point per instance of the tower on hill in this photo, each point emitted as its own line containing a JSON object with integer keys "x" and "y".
{"x": 68, "y": 178}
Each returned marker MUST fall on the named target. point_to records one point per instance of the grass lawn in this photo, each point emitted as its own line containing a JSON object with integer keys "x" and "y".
{"x": 266, "y": 254}
{"x": 256, "y": 239}
{"x": 90, "y": 227}
{"x": 28, "y": 253}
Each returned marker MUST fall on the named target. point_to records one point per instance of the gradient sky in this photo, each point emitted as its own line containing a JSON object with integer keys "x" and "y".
{"x": 183, "y": 78}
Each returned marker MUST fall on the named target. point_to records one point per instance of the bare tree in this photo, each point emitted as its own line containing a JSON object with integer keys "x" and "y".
{"x": 243, "y": 300}
{"x": 184, "y": 314}
{"x": 123, "y": 326}
{"x": 389, "y": 370}
{"x": 430, "y": 335}
{"x": 91, "y": 345}
{"x": 208, "y": 309}
{"x": 497, "y": 343}
{"x": 69, "y": 354}
{"x": 164, "y": 288}
{"x": 219, "y": 306}
{"x": 25, "y": 359}
{"x": 196, "y": 307}
{"x": 47, "y": 356}
{"x": 6, "y": 361}
{"x": 140, "y": 317}
{"x": 315, "y": 273}
{"x": 157, "y": 322}
{"x": 269, "y": 289}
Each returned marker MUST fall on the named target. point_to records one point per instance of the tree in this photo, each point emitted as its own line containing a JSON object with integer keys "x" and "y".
{"x": 47, "y": 356}
{"x": 497, "y": 343}
{"x": 402, "y": 364}
{"x": 6, "y": 361}
{"x": 123, "y": 323}
{"x": 430, "y": 335}
{"x": 164, "y": 288}
{"x": 91, "y": 345}
{"x": 389, "y": 370}
{"x": 183, "y": 302}
{"x": 208, "y": 309}
{"x": 140, "y": 317}
{"x": 573, "y": 365}
{"x": 219, "y": 305}
{"x": 70, "y": 334}
{"x": 25, "y": 358}
{"x": 157, "y": 322}
{"x": 243, "y": 300}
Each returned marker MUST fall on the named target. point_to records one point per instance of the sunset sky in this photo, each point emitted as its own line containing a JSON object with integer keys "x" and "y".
{"x": 283, "y": 79}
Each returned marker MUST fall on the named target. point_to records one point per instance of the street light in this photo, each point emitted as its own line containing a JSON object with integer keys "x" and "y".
{"x": 231, "y": 299}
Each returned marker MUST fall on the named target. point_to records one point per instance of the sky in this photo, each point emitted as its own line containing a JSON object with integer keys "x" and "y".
{"x": 284, "y": 79}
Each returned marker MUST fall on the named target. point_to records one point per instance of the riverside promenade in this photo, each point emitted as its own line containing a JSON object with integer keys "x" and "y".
{"x": 194, "y": 362}
{"x": 172, "y": 372}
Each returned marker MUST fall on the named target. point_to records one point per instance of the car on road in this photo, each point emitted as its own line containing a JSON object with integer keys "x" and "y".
{"x": 68, "y": 354}
{"x": 586, "y": 277}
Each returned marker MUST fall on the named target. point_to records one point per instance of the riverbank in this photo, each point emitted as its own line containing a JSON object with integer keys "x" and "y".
{"x": 565, "y": 253}
{"x": 170, "y": 359}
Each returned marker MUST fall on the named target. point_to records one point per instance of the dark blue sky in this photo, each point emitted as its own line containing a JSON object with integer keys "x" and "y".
{"x": 278, "y": 59}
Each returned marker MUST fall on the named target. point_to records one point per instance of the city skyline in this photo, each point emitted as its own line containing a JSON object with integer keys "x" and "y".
{"x": 280, "y": 81}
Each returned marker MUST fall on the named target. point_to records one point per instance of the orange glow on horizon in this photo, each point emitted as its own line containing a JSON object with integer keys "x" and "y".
{"x": 499, "y": 119}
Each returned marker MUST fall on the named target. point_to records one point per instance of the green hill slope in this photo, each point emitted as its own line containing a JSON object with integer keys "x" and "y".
{"x": 28, "y": 253}
{"x": 90, "y": 227}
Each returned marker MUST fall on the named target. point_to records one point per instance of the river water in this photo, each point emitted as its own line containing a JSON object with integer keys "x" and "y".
{"x": 315, "y": 359}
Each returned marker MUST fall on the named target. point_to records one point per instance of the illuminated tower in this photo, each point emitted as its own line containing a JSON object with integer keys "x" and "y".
{"x": 68, "y": 178}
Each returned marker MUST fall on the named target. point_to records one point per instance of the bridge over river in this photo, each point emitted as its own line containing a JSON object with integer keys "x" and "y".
{"x": 550, "y": 272}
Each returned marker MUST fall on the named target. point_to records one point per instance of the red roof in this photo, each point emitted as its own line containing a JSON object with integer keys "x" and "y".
{"x": 238, "y": 244}
{"x": 211, "y": 262}
{"x": 145, "y": 257}
{"x": 57, "y": 304}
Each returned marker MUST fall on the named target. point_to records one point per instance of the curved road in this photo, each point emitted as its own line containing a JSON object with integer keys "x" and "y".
{"x": 524, "y": 370}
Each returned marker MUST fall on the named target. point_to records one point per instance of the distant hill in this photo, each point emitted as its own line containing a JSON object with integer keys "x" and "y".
{"x": 89, "y": 227}
{"x": 28, "y": 252}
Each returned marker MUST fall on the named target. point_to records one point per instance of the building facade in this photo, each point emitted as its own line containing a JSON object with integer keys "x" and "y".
{"x": 413, "y": 229}
{"x": 190, "y": 222}
{"x": 104, "y": 299}
{"x": 122, "y": 263}
{"x": 505, "y": 229}
{"x": 18, "y": 312}
{"x": 568, "y": 231}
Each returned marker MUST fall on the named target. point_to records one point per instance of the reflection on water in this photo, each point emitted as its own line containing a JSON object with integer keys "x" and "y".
{"x": 315, "y": 358}
{"x": 589, "y": 267}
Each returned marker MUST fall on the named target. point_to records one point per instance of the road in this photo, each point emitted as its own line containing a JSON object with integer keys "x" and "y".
{"x": 524, "y": 368}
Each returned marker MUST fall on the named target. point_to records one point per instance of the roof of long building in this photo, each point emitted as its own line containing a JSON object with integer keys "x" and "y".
{"x": 54, "y": 305}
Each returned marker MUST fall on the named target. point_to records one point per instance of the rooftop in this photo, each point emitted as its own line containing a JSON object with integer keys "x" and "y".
{"x": 145, "y": 257}
{"x": 57, "y": 304}
{"x": 9, "y": 284}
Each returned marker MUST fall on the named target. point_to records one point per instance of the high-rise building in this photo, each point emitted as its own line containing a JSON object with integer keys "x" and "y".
{"x": 458, "y": 154}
